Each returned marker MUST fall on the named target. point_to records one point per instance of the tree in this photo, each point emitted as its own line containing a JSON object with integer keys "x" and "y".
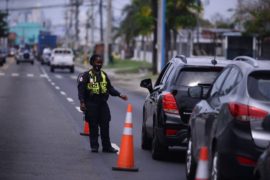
{"x": 140, "y": 20}
{"x": 254, "y": 17}
{"x": 3, "y": 25}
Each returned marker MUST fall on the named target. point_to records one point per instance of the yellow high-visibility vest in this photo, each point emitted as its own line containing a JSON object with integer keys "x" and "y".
{"x": 97, "y": 87}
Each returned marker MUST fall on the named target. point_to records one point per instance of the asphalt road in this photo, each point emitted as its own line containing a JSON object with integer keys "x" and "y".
{"x": 40, "y": 125}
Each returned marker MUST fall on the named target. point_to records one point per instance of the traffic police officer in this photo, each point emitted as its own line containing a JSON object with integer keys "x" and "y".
{"x": 94, "y": 88}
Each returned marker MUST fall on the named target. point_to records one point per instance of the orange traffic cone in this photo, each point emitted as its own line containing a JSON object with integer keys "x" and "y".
{"x": 86, "y": 131}
{"x": 126, "y": 157}
{"x": 202, "y": 169}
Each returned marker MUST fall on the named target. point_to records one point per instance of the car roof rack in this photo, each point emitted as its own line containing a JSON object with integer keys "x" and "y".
{"x": 247, "y": 59}
{"x": 182, "y": 57}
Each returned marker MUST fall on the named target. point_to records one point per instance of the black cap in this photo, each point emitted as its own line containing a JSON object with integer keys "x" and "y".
{"x": 93, "y": 58}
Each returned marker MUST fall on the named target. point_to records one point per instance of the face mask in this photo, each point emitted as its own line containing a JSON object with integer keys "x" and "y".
{"x": 97, "y": 67}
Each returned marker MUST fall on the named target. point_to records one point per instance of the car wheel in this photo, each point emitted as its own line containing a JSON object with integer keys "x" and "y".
{"x": 158, "y": 150}
{"x": 145, "y": 141}
{"x": 32, "y": 62}
{"x": 72, "y": 69}
{"x": 215, "y": 168}
{"x": 17, "y": 62}
{"x": 52, "y": 69}
{"x": 190, "y": 162}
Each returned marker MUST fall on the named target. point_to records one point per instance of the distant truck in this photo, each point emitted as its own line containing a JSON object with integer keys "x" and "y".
{"x": 46, "y": 40}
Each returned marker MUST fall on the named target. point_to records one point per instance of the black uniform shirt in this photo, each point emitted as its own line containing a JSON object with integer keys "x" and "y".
{"x": 85, "y": 94}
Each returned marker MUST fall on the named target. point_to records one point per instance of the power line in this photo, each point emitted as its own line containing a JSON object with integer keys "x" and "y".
{"x": 45, "y": 7}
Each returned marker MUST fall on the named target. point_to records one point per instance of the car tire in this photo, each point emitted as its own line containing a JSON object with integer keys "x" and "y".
{"x": 72, "y": 69}
{"x": 158, "y": 150}
{"x": 52, "y": 69}
{"x": 145, "y": 140}
{"x": 215, "y": 167}
{"x": 32, "y": 62}
{"x": 191, "y": 164}
{"x": 17, "y": 62}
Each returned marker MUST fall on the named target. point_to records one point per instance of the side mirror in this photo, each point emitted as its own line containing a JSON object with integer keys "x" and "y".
{"x": 196, "y": 92}
{"x": 147, "y": 83}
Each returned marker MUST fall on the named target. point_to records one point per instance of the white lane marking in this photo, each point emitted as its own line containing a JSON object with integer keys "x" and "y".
{"x": 14, "y": 74}
{"x": 57, "y": 87}
{"x": 30, "y": 75}
{"x": 2, "y": 74}
{"x": 52, "y": 83}
{"x": 49, "y": 80}
{"x": 43, "y": 75}
{"x": 116, "y": 147}
{"x": 58, "y": 76}
{"x": 73, "y": 77}
{"x": 70, "y": 99}
{"x": 78, "y": 108}
{"x": 63, "y": 93}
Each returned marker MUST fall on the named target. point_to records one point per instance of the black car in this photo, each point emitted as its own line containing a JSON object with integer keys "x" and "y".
{"x": 167, "y": 107}
{"x": 3, "y": 56}
{"x": 232, "y": 120}
{"x": 262, "y": 170}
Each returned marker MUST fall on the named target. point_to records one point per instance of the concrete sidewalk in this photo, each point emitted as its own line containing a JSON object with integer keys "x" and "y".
{"x": 129, "y": 81}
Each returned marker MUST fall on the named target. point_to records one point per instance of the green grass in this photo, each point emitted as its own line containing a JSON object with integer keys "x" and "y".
{"x": 129, "y": 66}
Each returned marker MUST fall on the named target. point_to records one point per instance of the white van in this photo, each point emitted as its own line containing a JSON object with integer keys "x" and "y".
{"x": 62, "y": 58}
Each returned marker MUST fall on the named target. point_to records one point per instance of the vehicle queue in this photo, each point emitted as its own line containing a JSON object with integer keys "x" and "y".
{"x": 223, "y": 105}
{"x": 225, "y": 108}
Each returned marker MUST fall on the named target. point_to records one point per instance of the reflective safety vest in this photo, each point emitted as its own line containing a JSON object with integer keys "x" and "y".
{"x": 97, "y": 87}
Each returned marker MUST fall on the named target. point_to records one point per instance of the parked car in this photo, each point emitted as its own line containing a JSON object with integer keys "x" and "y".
{"x": 167, "y": 108}
{"x": 262, "y": 170}
{"x": 231, "y": 120}
{"x": 25, "y": 55}
{"x": 3, "y": 56}
{"x": 62, "y": 58}
{"x": 46, "y": 56}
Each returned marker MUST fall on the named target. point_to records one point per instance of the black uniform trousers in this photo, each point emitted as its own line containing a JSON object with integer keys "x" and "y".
{"x": 98, "y": 115}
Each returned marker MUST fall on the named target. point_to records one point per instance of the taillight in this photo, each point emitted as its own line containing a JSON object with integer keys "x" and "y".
{"x": 171, "y": 132}
{"x": 245, "y": 161}
{"x": 169, "y": 104}
{"x": 244, "y": 112}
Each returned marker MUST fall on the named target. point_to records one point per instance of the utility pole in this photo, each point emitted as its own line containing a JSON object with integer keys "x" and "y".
{"x": 92, "y": 25}
{"x": 154, "y": 50}
{"x": 161, "y": 34}
{"x": 108, "y": 39}
{"x": 7, "y": 10}
{"x": 70, "y": 30}
{"x": 77, "y": 30}
{"x": 87, "y": 27}
{"x": 101, "y": 20}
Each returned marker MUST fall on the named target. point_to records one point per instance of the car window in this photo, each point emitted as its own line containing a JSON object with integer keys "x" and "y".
{"x": 231, "y": 81}
{"x": 167, "y": 74}
{"x": 193, "y": 76}
{"x": 219, "y": 81}
{"x": 259, "y": 85}
{"x": 158, "y": 82}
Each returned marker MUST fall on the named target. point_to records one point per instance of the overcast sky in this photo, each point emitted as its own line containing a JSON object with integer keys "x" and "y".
{"x": 56, "y": 15}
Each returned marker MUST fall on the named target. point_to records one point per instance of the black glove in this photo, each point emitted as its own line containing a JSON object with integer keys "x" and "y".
{"x": 82, "y": 107}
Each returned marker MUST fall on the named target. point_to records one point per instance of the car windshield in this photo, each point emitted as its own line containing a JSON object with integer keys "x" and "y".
{"x": 259, "y": 85}
{"x": 192, "y": 77}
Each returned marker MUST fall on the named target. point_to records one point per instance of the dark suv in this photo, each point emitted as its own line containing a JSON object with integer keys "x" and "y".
{"x": 232, "y": 120}
{"x": 167, "y": 108}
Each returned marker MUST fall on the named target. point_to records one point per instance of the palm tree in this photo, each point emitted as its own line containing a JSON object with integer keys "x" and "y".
{"x": 139, "y": 19}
